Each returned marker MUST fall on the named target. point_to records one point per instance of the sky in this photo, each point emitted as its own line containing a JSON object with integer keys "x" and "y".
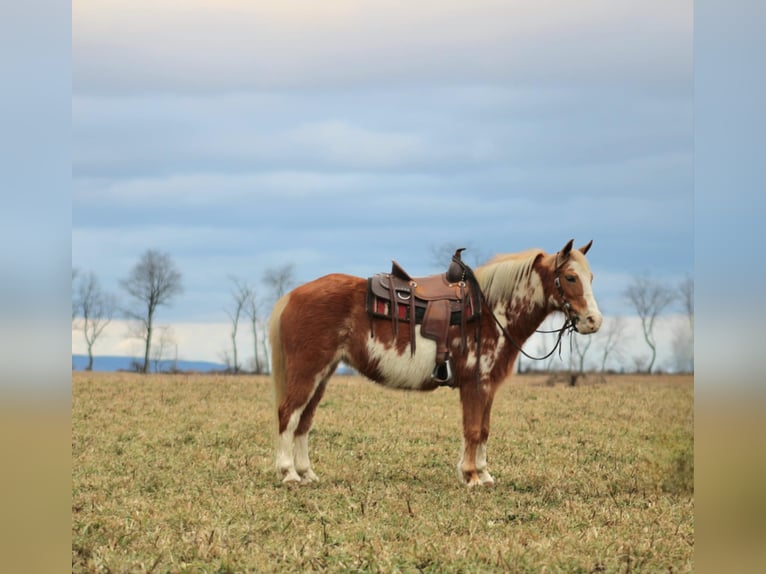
{"x": 336, "y": 136}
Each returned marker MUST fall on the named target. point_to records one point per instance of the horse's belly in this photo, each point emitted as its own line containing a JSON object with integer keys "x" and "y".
{"x": 403, "y": 370}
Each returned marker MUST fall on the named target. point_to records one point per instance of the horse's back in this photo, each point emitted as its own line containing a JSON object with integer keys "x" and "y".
{"x": 328, "y": 290}
{"x": 325, "y": 305}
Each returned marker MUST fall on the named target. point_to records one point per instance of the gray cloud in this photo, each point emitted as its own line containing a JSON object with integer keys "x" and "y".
{"x": 337, "y": 135}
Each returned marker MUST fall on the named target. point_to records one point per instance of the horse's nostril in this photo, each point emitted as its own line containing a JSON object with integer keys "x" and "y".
{"x": 593, "y": 321}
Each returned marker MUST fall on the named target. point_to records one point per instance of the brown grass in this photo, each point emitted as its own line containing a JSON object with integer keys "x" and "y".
{"x": 175, "y": 474}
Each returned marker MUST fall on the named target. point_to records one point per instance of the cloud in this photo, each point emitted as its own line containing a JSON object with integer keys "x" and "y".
{"x": 226, "y": 46}
{"x": 339, "y": 135}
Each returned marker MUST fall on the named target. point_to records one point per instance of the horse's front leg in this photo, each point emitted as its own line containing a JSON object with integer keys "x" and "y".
{"x": 481, "y": 452}
{"x": 477, "y": 403}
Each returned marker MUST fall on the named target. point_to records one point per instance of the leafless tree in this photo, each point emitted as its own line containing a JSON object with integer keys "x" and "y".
{"x": 649, "y": 298}
{"x": 279, "y": 279}
{"x": 75, "y": 302}
{"x": 152, "y": 282}
{"x": 241, "y": 294}
{"x": 639, "y": 361}
{"x": 95, "y": 309}
{"x": 225, "y": 358}
{"x": 251, "y": 310}
{"x": 265, "y": 346}
{"x": 164, "y": 342}
{"x": 547, "y": 338}
{"x": 612, "y": 334}
{"x": 686, "y": 298}
{"x": 580, "y": 346}
{"x": 683, "y": 350}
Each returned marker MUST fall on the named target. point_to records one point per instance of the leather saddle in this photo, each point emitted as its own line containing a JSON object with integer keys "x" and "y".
{"x": 435, "y": 302}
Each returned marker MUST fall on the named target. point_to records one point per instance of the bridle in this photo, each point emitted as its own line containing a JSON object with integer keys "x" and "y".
{"x": 467, "y": 274}
{"x": 566, "y": 306}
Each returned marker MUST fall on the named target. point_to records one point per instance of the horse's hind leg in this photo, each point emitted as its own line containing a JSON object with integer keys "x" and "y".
{"x": 296, "y": 414}
{"x": 285, "y": 445}
{"x": 302, "y": 462}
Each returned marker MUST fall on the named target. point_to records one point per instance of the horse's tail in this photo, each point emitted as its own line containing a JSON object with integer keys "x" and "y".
{"x": 278, "y": 363}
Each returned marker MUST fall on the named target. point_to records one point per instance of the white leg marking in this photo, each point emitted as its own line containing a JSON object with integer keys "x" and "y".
{"x": 481, "y": 465}
{"x": 460, "y": 476}
{"x": 293, "y": 452}
{"x": 302, "y": 462}
{"x": 285, "y": 450}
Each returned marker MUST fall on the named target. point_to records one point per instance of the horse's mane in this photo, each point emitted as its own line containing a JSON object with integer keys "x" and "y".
{"x": 499, "y": 277}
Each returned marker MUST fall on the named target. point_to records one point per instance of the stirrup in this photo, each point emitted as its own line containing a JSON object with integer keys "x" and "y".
{"x": 447, "y": 378}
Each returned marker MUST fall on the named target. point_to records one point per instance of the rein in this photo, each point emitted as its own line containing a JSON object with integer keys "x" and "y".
{"x": 567, "y": 326}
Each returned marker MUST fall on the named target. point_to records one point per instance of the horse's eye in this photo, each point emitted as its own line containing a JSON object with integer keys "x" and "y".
{"x": 572, "y": 278}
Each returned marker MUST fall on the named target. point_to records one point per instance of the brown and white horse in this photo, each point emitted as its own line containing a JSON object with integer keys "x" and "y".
{"x": 323, "y": 322}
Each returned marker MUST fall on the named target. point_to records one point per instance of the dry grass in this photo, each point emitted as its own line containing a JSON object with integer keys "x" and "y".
{"x": 175, "y": 474}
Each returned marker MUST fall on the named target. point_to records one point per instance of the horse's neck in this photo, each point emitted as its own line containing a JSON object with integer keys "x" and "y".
{"x": 521, "y": 323}
{"x": 526, "y": 308}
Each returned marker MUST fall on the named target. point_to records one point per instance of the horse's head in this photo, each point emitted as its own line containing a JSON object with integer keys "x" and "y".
{"x": 569, "y": 289}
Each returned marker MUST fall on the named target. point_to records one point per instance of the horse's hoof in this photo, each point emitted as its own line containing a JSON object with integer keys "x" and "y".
{"x": 291, "y": 477}
{"x": 486, "y": 479}
{"x": 308, "y": 477}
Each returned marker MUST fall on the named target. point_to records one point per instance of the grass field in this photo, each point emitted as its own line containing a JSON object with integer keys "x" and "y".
{"x": 175, "y": 473}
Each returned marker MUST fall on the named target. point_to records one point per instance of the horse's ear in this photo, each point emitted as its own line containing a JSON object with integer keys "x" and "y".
{"x": 584, "y": 248}
{"x": 567, "y": 249}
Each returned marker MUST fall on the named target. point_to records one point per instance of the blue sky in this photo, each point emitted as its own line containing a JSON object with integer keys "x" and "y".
{"x": 335, "y": 136}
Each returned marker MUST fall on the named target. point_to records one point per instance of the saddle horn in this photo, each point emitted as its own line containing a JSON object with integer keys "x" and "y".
{"x": 456, "y": 269}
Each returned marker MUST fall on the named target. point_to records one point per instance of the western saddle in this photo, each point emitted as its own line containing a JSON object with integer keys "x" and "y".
{"x": 435, "y": 302}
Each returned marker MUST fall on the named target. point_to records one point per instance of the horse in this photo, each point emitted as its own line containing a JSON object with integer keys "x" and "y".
{"x": 323, "y": 322}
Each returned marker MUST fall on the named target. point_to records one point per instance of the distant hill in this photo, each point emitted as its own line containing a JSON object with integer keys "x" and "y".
{"x": 114, "y": 363}
{"x": 111, "y": 363}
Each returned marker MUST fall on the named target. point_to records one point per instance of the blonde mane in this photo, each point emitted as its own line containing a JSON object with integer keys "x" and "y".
{"x": 503, "y": 274}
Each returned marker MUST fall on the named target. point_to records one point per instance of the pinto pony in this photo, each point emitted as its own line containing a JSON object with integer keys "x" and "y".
{"x": 321, "y": 323}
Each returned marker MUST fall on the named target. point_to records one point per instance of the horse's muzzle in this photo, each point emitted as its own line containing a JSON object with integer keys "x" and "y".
{"x": 590, "y": 324}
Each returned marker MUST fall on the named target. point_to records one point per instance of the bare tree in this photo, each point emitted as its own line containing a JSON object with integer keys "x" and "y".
{"x": 639, "y": 362}
{"x": 241, "y": 294}
{"x": 547, "y": 339}
{"x": 683, "y": 351}
{"x": 152, "y": 282}
{"x": 95, "y": 308}
{"x": 612, "y": 333}
{"x": 251, "y": 310}
{"x": 580, "y": 346}
{"x": 164, "y": 341}
{"x": 649, "y": 298}
{"x": 279, "y": 279}
{"x": 686, "y": 298}
{"x": 225, "y": 358}
{"x": 265, "y": 346}
{"x": 75, "y": 301}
